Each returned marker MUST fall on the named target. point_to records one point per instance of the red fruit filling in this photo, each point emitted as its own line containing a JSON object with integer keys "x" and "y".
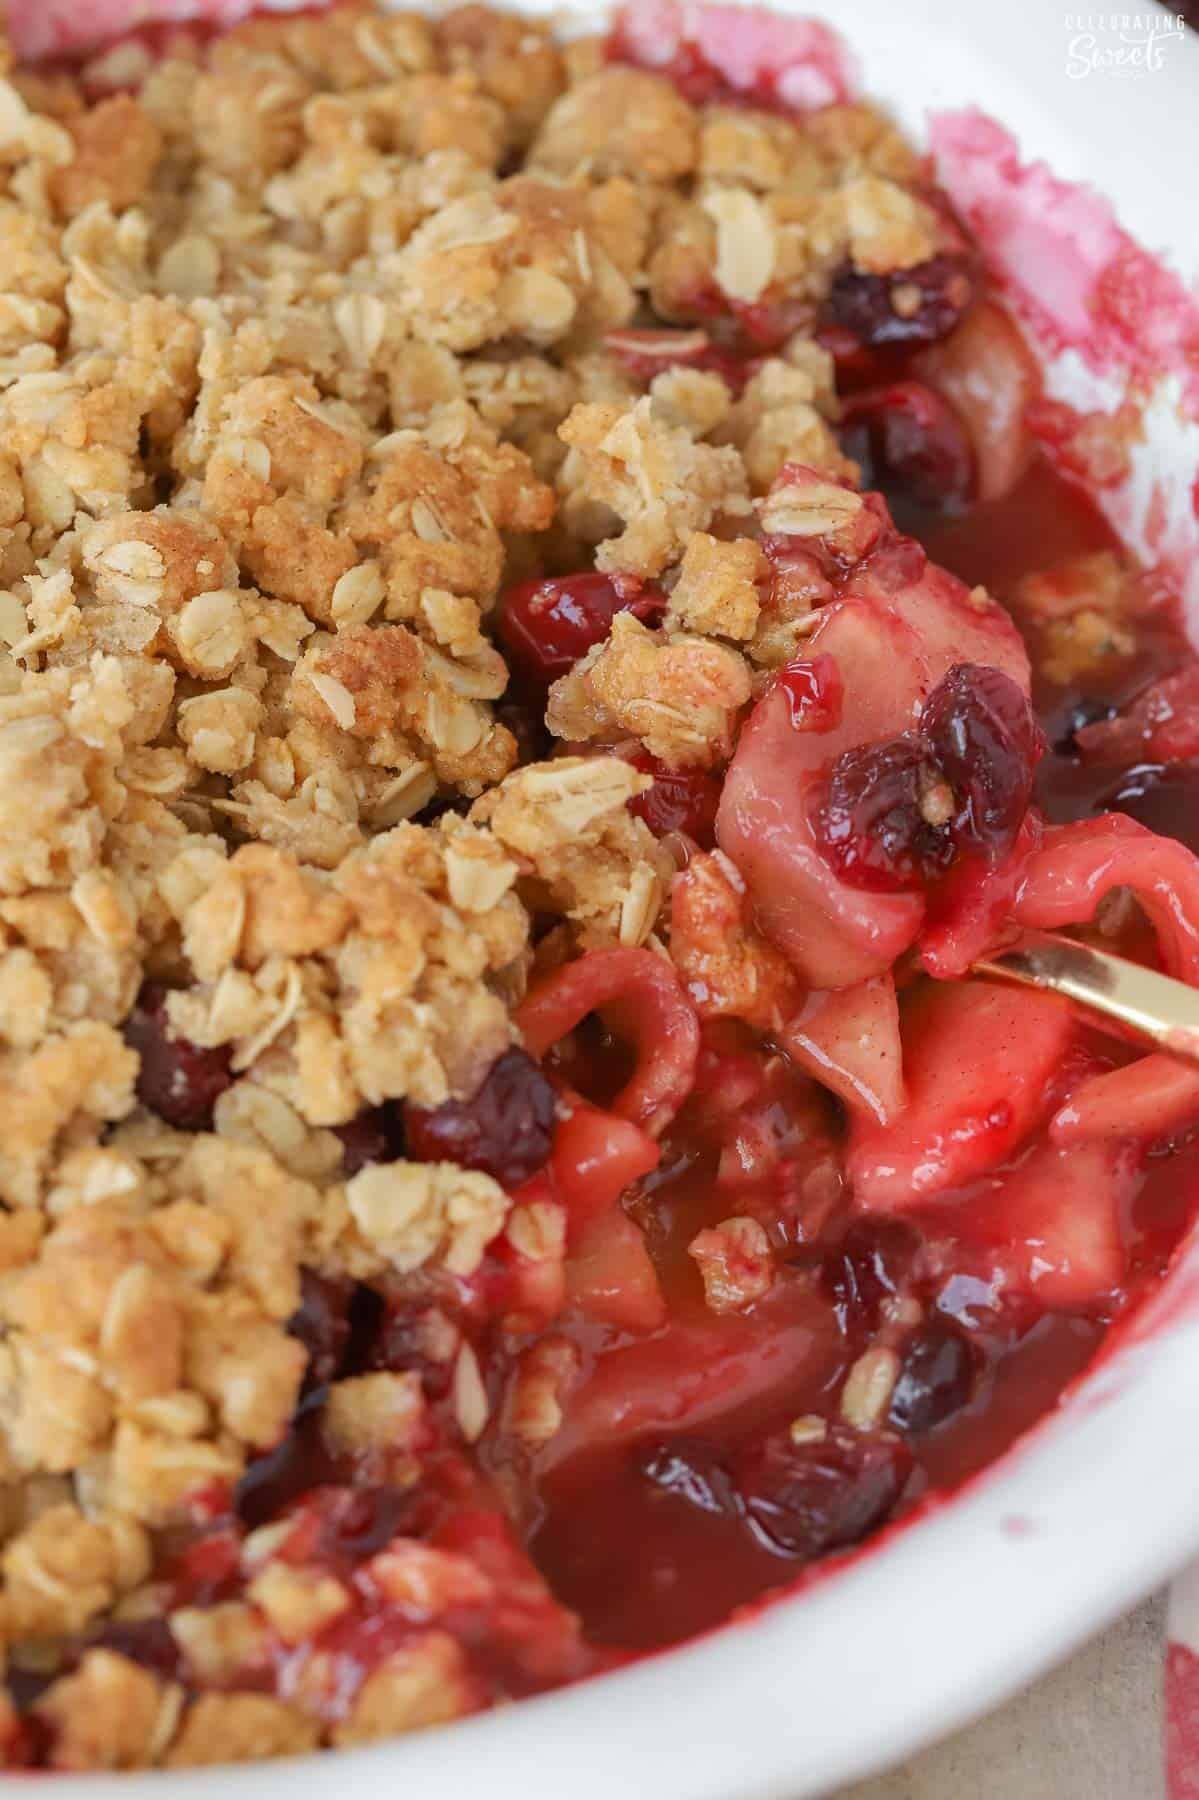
{"x": 909, "y": 443}
{"x": 322, "y": 1323}
{"x": 680, "y": 800}
{"x": 178, "y": 1080}
{"x": 546, "y": 627}
{"x": 910, "y": 307}
{"x": 374, "y": 1136}
{"x": 874, "y": 821}
{"x": 506, "y": 1128}
{"x": 1161, "y": 725}
{"x": 936, "y": 1378}
{"x": 814, "y": 691}
{"x": 642, "y": 997}
{"x": 805, "y": 1499}
{"x": 876, "y": 1262}
{"x": 980, "y": 729}
{"x": 894, "y": 815}
{"x": 692, "y": 1471}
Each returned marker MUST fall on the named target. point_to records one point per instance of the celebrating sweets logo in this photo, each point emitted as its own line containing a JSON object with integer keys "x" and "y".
{"x": 1116, "y": 43}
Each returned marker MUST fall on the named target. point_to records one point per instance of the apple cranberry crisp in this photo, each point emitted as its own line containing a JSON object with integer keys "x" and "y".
{"x": 496, "y": 803}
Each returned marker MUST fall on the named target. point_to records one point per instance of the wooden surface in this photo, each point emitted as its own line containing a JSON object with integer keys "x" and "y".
{"x": 1089, "y": 1731}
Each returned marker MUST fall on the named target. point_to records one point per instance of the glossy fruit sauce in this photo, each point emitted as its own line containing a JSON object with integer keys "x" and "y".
{"x": 661, "y": 1506}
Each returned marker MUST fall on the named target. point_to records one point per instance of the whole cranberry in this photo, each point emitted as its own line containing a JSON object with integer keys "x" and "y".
{"x": 808, "y": 1498}
{"x": 936, "y": 1378}
{"x": 906, "y": 307}
{"x": 148, "y": 1642}
{"x": 875, "y": 822}
{"x": 910, "y": 444}
{"x": 691, "y": 1471}
{"x": 175, "y": 1079}
{"x": 680, "y": 800}
{"x": 322, "y": 1323}
{"x": 375, "y": 1135}
{"x": 877, "y": 1260}
{"x": 546, "y": 627}
{"x": 505, "y": 1129}
{"x": 980, "y": 729}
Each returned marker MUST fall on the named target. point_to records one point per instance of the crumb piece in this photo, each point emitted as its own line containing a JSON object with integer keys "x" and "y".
{"x": 64, "y": 1569}
{"x": 735, "y": 1262}
{"x": 868, "y": 1388}
{"x": 297, "y": 1602}
{"x": 381, "y": 1412}
{"x": 653, "y": 476}
{"x": 889, "y": 228}
{"x": 716, "y": 594}
{"x": 108, "y": 1714}
{"x": 746, "y": 250}
{"x": 542, "y": 1380}
{"x": 619, "y": 121}
{"x": 730, "y": 969}
{"x": 566, "y": 825}
{"x": 116, "y": 148}
{"x": 426, "y": 1683}
{"x": 221, "y": 1643}
{"x": 427, "y": 1582}
{"x": 222, "y": 1728}
{"x": 410, "y": 1211}
{"x": 680, "y": 695}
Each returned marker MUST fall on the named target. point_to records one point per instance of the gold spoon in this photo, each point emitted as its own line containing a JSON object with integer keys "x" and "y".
{"x": 1145, "y": 1006}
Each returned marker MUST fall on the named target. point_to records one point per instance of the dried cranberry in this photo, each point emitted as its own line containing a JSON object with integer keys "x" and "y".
{"x": 814, "y": 691}
{"x": 375, "y": 1135}
{"x": 980, "y": 727}
{"x": 546, "y": 626}
{"x": 322, "y": 1323}
{"x": 506, "y": 1128}
{"x": 876, "y": 1261}
{"x": 147, "y": 1642}
{"x": 910, "y": 444}
{"x": 176, "y": 1079}
{"x": 805, "y": 1499}
{"x": 936, "y": 1378}
{"x": 680, "y": 800}
{"x": 691, "y": 1471}
{"x": 872, "y": 820}
{"x": 905, "y": 307}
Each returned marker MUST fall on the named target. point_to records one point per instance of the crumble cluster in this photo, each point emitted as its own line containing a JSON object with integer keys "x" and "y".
{"x": 312, "y": 340}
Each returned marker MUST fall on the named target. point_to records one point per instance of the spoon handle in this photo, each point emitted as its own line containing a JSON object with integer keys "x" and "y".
{"x": 1146, "y": 1006}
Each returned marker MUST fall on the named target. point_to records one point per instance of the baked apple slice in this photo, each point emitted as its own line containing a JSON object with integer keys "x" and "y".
{"x": 894, "y": 633}
{"x": 980, "y": 1064}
